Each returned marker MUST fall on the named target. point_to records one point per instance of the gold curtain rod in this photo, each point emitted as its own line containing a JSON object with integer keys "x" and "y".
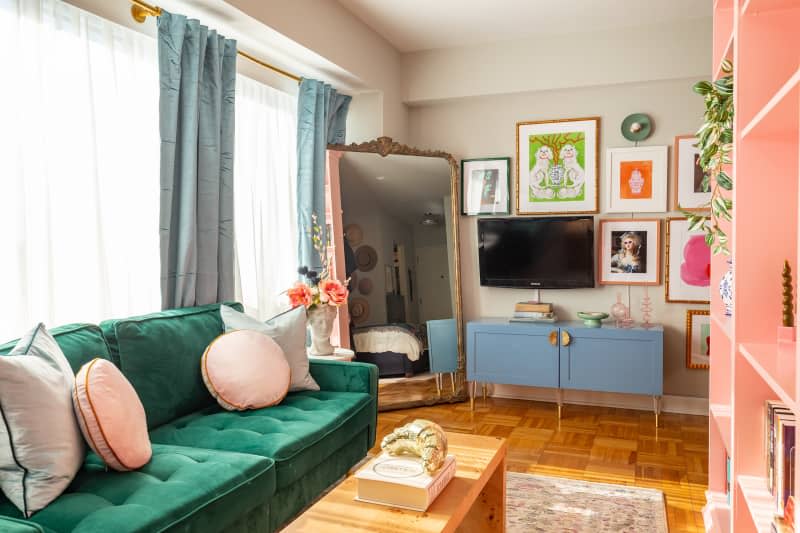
{"x": 141, "y": 10}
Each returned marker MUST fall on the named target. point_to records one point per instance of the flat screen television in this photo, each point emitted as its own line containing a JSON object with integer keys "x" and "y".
{"x": 537, "y": 253}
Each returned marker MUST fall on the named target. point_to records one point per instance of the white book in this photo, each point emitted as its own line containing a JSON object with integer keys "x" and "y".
{"x": 401, "y": 481}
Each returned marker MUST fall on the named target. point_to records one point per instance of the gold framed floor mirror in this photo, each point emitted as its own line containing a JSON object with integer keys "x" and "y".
{"x": 400, "y": 225}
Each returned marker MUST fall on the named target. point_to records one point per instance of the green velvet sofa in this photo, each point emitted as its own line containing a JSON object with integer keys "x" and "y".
{"x": 212, "y": 470}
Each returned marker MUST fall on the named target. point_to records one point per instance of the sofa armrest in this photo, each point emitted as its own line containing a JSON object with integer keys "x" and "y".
{"x": 13, "y": 525}
{"x": 342, "y": 376}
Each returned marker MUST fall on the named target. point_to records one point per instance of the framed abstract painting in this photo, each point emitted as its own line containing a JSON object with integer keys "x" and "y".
{"x": 698, "y": 338}
{"x": 637, "y": 179}
{"x": 485, "y": 185}
{"x": 688, "y": 272}
{"x": 688, "y": 190}
{"x": 629, "y": 252}
{"x": 557, "y": 166}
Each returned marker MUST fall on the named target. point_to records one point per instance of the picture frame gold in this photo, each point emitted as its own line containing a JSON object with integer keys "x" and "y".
{"x": 591, "y": 185}
{"x": 691, "y": 335}
{"x": 608, "y": 227}
{"x": 668, "y": 264}
{"x": 679, "y": 164}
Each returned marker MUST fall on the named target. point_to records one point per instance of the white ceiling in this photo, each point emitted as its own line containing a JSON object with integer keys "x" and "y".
{"x": 411, "y": 186}
{"x": 414, "y": 25}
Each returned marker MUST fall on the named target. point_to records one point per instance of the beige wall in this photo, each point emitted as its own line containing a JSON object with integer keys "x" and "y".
{"x": 485, "y": 126}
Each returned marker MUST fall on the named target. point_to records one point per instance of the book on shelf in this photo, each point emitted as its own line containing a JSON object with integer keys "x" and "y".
{"x": 551, "y": 318}
{"x": 532, "y": 314}
{"x": 401, "y": 481}
{"x": 534, "y": 307}
{"x": 779, "y": 451}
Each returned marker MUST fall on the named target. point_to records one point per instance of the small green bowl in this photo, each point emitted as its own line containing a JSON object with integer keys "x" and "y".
{"x": 592, "y": 319}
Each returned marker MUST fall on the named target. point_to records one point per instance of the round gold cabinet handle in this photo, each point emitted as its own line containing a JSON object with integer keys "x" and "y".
{"x": 554, "y": 338}
{"x": 565, "y": 338}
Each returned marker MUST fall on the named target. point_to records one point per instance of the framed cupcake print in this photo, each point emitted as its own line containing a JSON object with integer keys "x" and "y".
{"x": 698, "y": 338}
{"x": 629, "y": 252}
{"x": 485, "y": 185}
{"x": 557, "y": 166}
{"x": 688, "y": 272}
{"x": 688, "y": 179}
{"x": 637, "y": 179}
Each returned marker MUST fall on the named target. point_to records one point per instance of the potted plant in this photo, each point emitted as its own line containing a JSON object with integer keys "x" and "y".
{"x": 715, "y": 141}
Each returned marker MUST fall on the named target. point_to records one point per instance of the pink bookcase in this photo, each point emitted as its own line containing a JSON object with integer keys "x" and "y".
{"x": 762, "y": 39}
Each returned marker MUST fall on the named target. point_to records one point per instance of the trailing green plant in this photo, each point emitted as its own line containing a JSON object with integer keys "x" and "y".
{"x": 715, "y": 142}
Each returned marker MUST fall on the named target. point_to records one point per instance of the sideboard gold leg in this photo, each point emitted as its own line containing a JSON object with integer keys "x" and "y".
{"x": 560, "y": 399}
{"x": 438, "y": 379}
{"x": 657, "y": 407}
{"x": 472, "y": 397}
{"x": 453, "y": 381}
{"x": 483, "y": 390}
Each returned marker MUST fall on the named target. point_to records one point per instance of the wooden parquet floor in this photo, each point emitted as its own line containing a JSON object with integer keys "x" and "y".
{"x": 591, "y": 443}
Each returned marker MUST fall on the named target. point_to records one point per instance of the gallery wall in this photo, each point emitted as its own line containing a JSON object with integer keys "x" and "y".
{"x": 486, "y": 127}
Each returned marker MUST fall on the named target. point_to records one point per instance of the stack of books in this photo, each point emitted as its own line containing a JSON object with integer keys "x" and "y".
{"x": 533, "y": 312}
{"x": 401, "y": 481}
{"x": 779, "y": 444}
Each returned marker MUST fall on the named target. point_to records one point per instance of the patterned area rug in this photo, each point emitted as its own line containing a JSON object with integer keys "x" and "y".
{"x": 538, "y": 503}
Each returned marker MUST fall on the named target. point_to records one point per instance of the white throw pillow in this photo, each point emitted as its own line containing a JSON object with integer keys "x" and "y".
{"x": 288, "y": 330}
{"x": 41, "y": 446}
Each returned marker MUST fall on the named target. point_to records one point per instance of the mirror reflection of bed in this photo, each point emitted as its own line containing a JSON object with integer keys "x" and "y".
{"x": 397, "y": 217}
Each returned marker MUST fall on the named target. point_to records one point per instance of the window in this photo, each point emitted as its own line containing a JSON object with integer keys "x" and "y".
{"x": 265, "y": 210}
{"x": 80, "y": 182}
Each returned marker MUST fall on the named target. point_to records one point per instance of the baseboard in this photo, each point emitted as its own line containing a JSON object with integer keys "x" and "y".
{"x": 687, "y": 405}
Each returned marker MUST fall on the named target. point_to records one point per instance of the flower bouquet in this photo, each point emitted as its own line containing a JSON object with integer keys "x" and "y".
{"x": 321, "y": 295}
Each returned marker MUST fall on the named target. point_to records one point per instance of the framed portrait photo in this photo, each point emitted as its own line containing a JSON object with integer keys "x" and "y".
{"x": 687, "y": 182}
{"x": 698, "y": 338}
{"x": 688, "y": 272}
{"x": 557, "y": 166}
{"x": 485, "y": 185}
{"x": 629, "y": 252}
{"x": 637, "y": 179}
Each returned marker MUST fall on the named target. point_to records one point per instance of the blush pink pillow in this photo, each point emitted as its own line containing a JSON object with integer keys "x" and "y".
{"x": 111, "y": 416}
{"x": 245, "y": 369}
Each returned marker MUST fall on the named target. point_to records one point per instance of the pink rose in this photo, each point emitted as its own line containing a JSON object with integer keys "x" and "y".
{"x": 332, "y": 292}
{"x": 300, "y": 294}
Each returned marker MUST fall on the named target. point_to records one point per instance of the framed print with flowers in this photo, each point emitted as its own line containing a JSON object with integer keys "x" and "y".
{"x": 688, "y": 272}
{"x": 629, "y": 252}
{"x": 557, "y": 166}
{"x": 637, "y": 179}
{"x": 698, "y": 338}
{"x": 689, "y": 190}
{"x": 485, "y": 185}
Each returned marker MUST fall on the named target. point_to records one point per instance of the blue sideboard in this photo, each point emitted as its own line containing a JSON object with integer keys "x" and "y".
{"x": 566, "y": 355}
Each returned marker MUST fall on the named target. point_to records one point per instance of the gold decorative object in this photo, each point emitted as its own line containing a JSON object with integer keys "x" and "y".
{"x": 788, "y": 306}
{"x": 423, "y": 438}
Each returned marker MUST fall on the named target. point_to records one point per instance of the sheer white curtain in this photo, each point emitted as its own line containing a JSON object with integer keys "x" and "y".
{"x": 79, "y": 182}
{"x": 265, "y": 170}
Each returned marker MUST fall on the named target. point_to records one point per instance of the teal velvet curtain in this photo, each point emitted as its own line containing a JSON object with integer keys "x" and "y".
{"x": 321, "y": 116}
{"x": 197, "y": 71}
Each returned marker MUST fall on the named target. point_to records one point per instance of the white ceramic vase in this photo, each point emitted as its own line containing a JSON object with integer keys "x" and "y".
{"x": 320, "y": 321}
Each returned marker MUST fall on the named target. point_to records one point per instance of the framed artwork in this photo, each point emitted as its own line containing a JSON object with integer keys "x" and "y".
{"x": 557, "y": 166}
{"x": 629, "y": 251}
{"x": 637, "y": 179}
{"x": 688, "y": 272}
{"x": 485, "y": 185}
{"x": 698, "y": 338}
{"x": 687, "y": 176}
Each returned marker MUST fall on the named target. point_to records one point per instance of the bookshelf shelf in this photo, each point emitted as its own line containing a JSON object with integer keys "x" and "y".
{"x": 725, "y": 325}
{"x": 775, "y": 368}
{"x": 760, "y": 503}
{"x": 717, "y": 512}
{"x": 753, "y": 7}
{"x": 721, "y": 414}
{"x": 779, "y": 116}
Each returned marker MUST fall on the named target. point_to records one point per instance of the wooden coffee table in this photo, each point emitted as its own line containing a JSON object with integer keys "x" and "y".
{"x": 474, "y": 501}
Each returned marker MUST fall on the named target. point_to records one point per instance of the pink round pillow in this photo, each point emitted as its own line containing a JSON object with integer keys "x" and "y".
{"x": 245, "y": 369}
{"x": 111, "y": 416}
